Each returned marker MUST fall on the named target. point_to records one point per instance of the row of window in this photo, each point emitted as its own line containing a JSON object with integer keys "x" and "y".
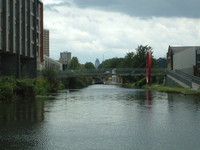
{"x": 17, "y": 29}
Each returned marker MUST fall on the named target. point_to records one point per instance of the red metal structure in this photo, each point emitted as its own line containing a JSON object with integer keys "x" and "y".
{"x": 148, "y": 66}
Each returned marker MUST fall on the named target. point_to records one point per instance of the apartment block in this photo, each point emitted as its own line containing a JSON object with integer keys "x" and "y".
{"x": 65, "y": 58}
{"x": 21, "y": 37}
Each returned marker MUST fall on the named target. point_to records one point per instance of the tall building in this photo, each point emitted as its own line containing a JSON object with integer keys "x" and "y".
{"x": 46, "y": 42}
{"x": 21, "y": 32}
{"x": 97, "y": 63}
{"x": 65, "y": 58}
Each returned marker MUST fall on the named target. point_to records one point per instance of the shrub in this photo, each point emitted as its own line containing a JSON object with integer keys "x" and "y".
{"x": 42, "y": 86}
{"x": 140, "y": 83}
{"x": 25, "y": 88}
{"x": 7, "y": 87}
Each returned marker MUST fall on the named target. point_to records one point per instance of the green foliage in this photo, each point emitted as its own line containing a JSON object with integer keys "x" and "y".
{"x": 7, "y": 87}
{"x": 25, "y": 88}
{"x": 42, "y": 86}
{"x": 162, "y": 88}
{"x": 11, "y": 88}
{"x": 112, "y": 63}
{"x": 76, "y": 83}
{"x": 89, "y": 65}
{"x": 74, "y": 64}
{"x": 50, "y": 76}
{"x": 140, "y": 83}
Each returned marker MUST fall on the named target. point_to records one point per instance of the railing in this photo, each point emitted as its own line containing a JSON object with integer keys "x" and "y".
{"x": 193, "y": 78}
{"x": 180, "y": 77}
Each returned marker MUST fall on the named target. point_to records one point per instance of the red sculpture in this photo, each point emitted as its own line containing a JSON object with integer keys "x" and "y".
{"x": 148, "y": 66}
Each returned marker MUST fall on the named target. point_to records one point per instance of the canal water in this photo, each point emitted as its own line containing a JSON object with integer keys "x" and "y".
{"x": 102, "y": 117}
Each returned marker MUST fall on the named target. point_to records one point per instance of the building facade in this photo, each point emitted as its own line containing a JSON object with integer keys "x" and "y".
{"x": 65, "y": 58}
{"x": 186, "y": 59}
{"x": 52, "y": 64}
{"x": 46, "y": 42}
{"x": 21, "y": 32}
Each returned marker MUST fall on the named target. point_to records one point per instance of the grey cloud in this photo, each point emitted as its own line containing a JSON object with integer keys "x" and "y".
{"x": 146, "y": 8}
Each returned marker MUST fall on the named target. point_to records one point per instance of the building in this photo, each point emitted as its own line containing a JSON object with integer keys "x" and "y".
{"x": 50, "y": 63}
{"x": 46, "y": 42}
{"x": 185, "y": 58}
{"x": 161, "y": 62}
{"x": 21, "y": 32}
{"x": 97, "y": 63}
{"x": 65, "y": 58}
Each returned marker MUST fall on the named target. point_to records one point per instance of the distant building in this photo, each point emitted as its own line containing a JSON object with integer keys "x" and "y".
{"x": 50, "y": 63}
{"x": 46, "y": 42}
{"x": 186, "y": 58}
{"x": 21, "y": 32}
{"x": 161, "y": 62}
{"x": 97, "y": 63}
{"x": 65, "y": 58}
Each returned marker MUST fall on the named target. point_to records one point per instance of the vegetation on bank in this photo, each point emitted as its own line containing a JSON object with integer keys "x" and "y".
{"x": 13, "y": 89}
{"x": 162, "y": 88}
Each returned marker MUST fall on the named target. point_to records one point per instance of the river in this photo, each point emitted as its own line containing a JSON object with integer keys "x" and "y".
{"x": 102, "y": 117}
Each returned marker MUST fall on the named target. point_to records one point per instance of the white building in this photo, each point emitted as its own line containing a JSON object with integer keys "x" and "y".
{"x": 185, "y": 58}
{"x": 50, "y": 63}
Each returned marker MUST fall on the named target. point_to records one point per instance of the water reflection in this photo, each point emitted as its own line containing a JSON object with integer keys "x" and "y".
{"x": 102, "y": 117}
{"x": 22, "y": 111}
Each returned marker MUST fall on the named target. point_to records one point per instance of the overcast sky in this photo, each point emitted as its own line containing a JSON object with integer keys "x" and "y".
{"x": 104, "y": 29}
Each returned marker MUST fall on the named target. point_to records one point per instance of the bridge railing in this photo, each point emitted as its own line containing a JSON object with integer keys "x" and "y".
{"x": 193, "y": 78}
{"x": 111, "y": 71}
{"x": 180, "y": 77}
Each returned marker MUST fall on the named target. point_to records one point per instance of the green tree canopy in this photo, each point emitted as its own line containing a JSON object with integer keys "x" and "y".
{"x": 89, "y": 65}
{"x": 137, "y": 59}
{"x": 112, "y": 63}
{"x": 74, "y": 64}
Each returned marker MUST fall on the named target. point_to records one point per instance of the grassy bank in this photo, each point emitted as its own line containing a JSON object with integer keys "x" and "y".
{"x": 162, "y": 88}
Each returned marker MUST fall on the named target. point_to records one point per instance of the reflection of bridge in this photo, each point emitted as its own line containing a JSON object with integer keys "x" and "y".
{"x": 110, "y": 72}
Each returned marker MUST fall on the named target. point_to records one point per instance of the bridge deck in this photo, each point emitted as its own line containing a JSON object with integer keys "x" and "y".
{"x": 110, "y": 72}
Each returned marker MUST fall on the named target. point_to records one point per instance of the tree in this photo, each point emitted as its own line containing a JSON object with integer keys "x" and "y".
{"x": 140, "y": 56}
{"x": 137, "y": 59}
{"x": 129, "y": 60}
{"x": 89, "y": 65}
{"x": 112, "y": 63}
{"x": 74, "y": 64}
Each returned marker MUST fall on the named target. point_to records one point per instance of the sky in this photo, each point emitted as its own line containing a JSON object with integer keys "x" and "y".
{"x": 104, "y": 29}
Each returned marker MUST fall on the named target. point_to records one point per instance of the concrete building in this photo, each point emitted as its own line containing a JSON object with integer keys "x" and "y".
{"x": 21, "y": 32}
{"x": 185, "y": 58}
{"x": 46, "y": 42}
{"x": 50, "y": 63}
{"x": 65, "y": 58}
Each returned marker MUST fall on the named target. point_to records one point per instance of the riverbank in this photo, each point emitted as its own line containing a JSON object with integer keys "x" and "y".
{"x": 12, "y": 89}
{"x": 171, "y": 89}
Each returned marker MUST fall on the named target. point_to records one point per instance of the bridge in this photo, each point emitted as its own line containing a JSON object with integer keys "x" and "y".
{"x": 120, "y": 72}
{"x": 173, "y": 77}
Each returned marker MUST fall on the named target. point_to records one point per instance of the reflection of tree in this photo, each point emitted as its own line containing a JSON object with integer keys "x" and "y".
{"x": 28, "y": 111}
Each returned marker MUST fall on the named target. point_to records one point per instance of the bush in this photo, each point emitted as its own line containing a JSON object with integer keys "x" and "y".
{"x": 25, "y": 88}
{"x": 140, "y": 83}
{"x": 7, "y": 87}
{"x": 42, "y": 86}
